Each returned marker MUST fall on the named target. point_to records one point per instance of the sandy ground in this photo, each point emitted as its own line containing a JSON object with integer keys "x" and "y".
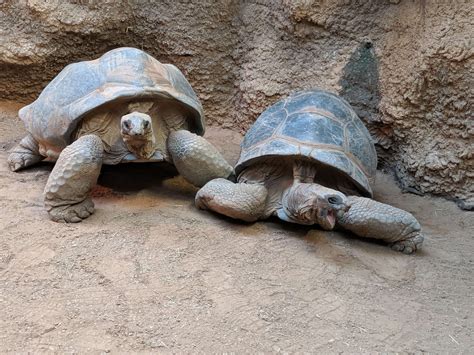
{"x": 150, "y": 272}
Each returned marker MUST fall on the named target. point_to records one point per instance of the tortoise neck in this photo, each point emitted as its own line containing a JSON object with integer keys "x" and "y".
{"x": 303, "y": 171}
{"x": 141, "y": 149}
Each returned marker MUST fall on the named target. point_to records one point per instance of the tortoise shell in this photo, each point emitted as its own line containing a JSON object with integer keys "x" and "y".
{"x": 120, "y": 74}
{"x": 317, "y": 125}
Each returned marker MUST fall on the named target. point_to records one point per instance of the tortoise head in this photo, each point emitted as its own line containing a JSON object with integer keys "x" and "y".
{"x": 137, "y": 133}
{"x": 310, "y": 203}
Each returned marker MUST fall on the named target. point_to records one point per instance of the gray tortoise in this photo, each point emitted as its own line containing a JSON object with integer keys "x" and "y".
{"x": 309, "y": 159}
{"x": 122, "y": 107}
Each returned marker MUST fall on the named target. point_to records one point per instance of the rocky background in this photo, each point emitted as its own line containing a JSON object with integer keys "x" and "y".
{"x": 406, "y": 66}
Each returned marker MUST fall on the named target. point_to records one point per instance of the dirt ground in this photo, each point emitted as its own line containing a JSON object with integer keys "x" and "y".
{"x": 150, "y": 272}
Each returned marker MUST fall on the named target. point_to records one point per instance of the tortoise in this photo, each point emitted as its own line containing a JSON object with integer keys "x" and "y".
{"x": 309, "y": 159}
{"x": 123, "y": 107}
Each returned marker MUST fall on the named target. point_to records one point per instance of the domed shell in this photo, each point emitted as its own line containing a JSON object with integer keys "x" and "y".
{"x": 318, "y": 125}
{"x": 120, "y": 74}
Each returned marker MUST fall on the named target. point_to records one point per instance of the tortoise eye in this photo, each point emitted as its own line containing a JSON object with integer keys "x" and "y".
{"x": 146, "y": 124}
{"x": 126, "y": 124}
{"x": 334, "y": 200}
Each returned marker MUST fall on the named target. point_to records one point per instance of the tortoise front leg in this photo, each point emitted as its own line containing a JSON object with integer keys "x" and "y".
{"x": 197, "y": 160}
{"x": 240, "y": 201}
{"x": 372, "y": 219}
{"x": 66, "y": 195}
{"x": 24, "y": 154}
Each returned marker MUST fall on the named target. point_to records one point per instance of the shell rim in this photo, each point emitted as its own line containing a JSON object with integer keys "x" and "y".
{"x": 365, "y": 191}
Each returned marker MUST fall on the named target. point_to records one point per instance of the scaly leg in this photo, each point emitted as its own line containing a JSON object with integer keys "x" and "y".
{"x": 372, "y": 219}
{"x": 197, "y": 160}
{"x": 24, "y": 154}
{"x": 66, "y": 195}
{"x": 239, "y": 201}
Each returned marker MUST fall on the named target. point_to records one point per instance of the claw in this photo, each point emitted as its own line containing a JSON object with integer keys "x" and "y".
{"x": 397, "y": 247}
{"x": 17, "y": 161}
{"x": 72, "y": 213}
{"x": 409, "y": 245}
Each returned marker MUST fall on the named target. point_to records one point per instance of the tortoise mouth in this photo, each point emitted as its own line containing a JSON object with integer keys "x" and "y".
{"x": 136, "y": 137}
{"x": 327, "y": 218}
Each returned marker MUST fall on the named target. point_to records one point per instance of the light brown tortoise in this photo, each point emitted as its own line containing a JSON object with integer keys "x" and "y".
{"x": 125, "y": 106}
{"x": 309, "y": 159}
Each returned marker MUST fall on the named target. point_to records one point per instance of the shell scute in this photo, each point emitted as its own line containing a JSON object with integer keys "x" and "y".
{"x": 313, "y": 128}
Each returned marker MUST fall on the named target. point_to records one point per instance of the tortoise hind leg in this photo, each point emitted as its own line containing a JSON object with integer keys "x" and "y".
{"x": 66, "y": 195}
{"x": 24, "y": 154}
{"x": 197, "y": 160}
{"x": 372, "y": 219}
{"x": 240, "y": 201}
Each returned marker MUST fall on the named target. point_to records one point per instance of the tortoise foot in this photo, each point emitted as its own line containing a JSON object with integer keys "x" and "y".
{"x": 72, "y": 213}
{"x": 24, "y": 154}
{"x": 197, "y": 160}
{"x": 372, "y": 219}
{"x": 17, "y": 160}
{"x": 239, "y": 201}
{"x": 409, "y": 245}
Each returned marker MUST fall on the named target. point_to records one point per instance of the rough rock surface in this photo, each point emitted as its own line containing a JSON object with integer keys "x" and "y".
{"x": 406, "y": 66}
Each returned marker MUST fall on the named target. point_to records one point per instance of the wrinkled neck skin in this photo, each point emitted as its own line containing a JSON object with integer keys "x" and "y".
{"x": 311, "y": 203}
{"x": 143, "y": 147}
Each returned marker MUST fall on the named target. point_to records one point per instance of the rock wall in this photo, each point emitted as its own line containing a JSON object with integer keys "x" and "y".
{"x": 406, "y": 66}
